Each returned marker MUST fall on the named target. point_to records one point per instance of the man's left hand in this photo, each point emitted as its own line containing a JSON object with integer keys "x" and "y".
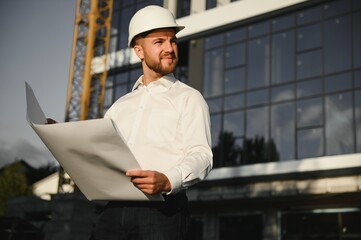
{"x": 149, "y": 182}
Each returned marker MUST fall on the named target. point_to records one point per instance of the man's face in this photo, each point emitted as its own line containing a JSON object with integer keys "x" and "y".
{"x": 159, "y": 50}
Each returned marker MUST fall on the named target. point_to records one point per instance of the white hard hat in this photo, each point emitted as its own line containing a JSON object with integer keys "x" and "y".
{"x": 150, "y": 18}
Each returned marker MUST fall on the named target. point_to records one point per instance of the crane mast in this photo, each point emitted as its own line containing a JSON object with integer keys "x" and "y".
{"x": 86, "y": 88}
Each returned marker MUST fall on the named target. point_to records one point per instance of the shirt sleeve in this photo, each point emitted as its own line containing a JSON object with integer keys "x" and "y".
{"x": 198, "y": 160}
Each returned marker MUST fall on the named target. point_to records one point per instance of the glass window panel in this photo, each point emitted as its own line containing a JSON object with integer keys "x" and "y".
{"x": 216, "y": 122}
{"x": 309, "y": 143}
{"x": 256, "y": 144}
{"x": 234, "y": 80}
{"x": 231, "y": 227}
{"x": 309, "y": 64}
{"x": 127, "y": 2}
{"x": 337, "y": 46}
{"x": 309, "y": 37}
{"x": 181, "y": 73}
{"x": 108, "y": 97}
{"x": 234, "y": 123}
{"x": 154, "y": 2}
{"x": 283, "y": 93}
{"x": 105, "y": 109}
{"x": 232, "y": 150}
{"x": 113, "y": 41}
{"x": 309, "y": 15}
{"x": 258, "y": 63}
{"x": 258, "y": 29}
{"x": 322, "y": 223}
{"x": 135, "y": 73}
{"x": 283, "y": 22}
{"x": 235, "y": 55}
{"x": 121, "y": 90}
{"x": 196, "y": 227}
{"x": 292, "y": 224}
{"x": 336, "y": 8}
{"x": 140, "y": 5}
{"x": 235, "y": 35}
{"x": 309, "y": 88}
{"x": 358, "y": 120}
{"x": 351, "y": 222}
{"x": 283, "y": 130}
{"x": 257, "y": 97}
{"x": 338, "y": 82}
{"x": 115, "y": 23}
{"x": 339, "y": 121}
{"x": 215, "y": 105}
{"x": 214, "y": 41}
{"x": 357, "y": 39}
{"x": 356, "y": 4}
{"x": 233, "y": 102}
{"x": 183, "y": 8}
{"x": 213, "y": 73}
{"x": 357, "y": 79}
{"x": 211, "y": 4}
{"x": 308, "y": 225}
{"x": 309, "y": 112}
{"x": 283, "y": 63}
{"x": 126, "y": 15}
{"x": 257, "y": 123}
{"x": 110, "y": 81}
{"x": 121, "y": 78}
{"x": 116, "y": 5}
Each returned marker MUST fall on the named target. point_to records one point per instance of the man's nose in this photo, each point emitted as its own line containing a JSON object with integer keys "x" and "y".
{"x": 169, "y": 46}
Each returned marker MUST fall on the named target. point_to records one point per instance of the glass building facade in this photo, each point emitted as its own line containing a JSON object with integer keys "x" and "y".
{"x": 281, "y": 87}
{"x": 287, "y": 87}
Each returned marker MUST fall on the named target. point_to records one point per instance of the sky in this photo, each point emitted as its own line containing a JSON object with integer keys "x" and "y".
{"x": 35, "y": 45}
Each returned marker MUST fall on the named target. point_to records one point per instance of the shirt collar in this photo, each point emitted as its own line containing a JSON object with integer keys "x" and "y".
{"x": 165, "y": 81}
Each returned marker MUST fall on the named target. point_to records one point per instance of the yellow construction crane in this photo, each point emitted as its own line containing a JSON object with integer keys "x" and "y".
{"x": 86, "y": 89}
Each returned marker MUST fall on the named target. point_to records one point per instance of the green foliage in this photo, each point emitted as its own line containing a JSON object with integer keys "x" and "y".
{"x": 13, "y": 183}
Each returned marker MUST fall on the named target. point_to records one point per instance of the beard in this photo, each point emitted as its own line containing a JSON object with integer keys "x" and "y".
{"x": 158, "y": 67}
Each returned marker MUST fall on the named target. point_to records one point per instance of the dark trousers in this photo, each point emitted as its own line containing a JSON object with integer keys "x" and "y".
{"x": 166, "y": 220}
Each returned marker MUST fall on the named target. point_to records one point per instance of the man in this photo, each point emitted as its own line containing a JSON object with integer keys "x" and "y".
{"x": 166, "y": 125}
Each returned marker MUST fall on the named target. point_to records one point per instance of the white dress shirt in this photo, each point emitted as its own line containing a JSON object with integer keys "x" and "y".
{"x": 166, "y": 125}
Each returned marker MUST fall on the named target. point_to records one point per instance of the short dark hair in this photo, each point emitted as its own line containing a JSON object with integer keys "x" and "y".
{"x": 140, "y": 35}
{"x": 143, "y": 35}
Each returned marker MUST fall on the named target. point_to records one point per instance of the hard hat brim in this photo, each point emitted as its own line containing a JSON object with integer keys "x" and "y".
{"x": 176, "y": 27}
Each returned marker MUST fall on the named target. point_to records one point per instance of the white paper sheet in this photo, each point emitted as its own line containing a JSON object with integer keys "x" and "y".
{"x": 92, "y": 152}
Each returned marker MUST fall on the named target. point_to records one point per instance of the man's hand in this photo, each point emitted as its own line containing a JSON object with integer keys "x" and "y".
{"x": 51, "y": 121}
{"x": 149, "y": 182}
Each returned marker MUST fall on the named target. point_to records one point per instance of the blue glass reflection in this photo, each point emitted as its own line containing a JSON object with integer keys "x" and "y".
{"x": 337, "y": 44}
{"x": 310, "y": 143}
{"x": 309, "y": 64}
{"x": 339, "y": 121}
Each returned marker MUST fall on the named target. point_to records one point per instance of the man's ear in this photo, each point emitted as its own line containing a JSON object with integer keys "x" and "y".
{"x": 139, "y": 51}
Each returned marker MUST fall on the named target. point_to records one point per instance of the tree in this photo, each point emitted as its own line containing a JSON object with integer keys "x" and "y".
{"x": 227, "y": 152}
{"x": 13, "y": 183}
{"x": 253, "y": 150}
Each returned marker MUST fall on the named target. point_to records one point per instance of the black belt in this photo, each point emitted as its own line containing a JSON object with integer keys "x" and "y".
{"x": 176, "y": 201}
